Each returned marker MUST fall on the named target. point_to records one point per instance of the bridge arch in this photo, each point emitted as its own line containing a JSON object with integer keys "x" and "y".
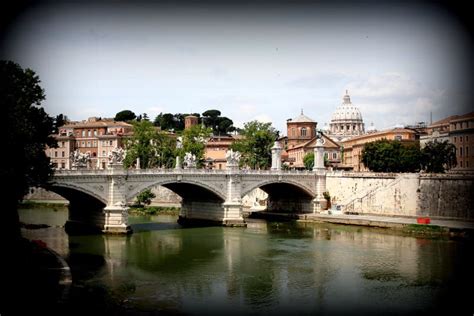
{"x": 68, "y": 191}
{"x": 186, "y": 189}
{"x": 285, "y": 196}
{"x": 293, "y": 185}
{"x": 85, "y": 207}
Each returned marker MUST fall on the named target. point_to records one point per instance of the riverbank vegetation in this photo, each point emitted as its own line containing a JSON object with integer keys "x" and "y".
{"x": 28, "y": 204}
{"x": 154, "y": 210}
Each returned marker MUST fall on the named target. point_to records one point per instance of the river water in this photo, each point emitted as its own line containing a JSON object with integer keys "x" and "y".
{"x": 268, "y": 268}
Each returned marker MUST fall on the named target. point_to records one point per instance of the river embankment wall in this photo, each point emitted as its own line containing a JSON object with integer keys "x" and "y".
{"x": 444, "y": 196}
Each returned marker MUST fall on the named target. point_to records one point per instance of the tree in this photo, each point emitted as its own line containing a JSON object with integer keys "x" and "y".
{"x": 209, "y": 118}
{"x": 438, "y": 156}
{"x": 27, "y": 133}
{"x": 165, "y": 121}
{"x": 194, "y": 140}
{"x": 219, "y": 124}
{"x": 59, "y": 121}
{"x": 145, "y": 197}
{"x": 410, "y": 158}
{"x": 391, "y": 156}
{"x": 125, "y": 116}
{"x": 308, "y": 161}
{"x": 155, "y": 149}
{"x": 256, "y": 145}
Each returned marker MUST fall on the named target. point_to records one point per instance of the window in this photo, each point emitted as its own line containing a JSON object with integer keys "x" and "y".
{"x": 89, "y": 133}
{"x": 88, "y": 144}
{"x": 103, "y": 164}
{"x": 95, "y": 143}
{"x": 467, "y": 139}
{"x": 460, "y": 151}
{"x": 111, "y": 142}
{"x": 55, "y": 154}
{"x": 334, "y": 155}
{"x": 103, "y": 152}
{"x": 398, "y": 137}
{"x": 62, "y": 154}
{"x": 95, "y": 132}
{"x": 460, "y": 163}
{"x": 83, "y": 133}
{"x": 467, "y": 151}
{"x": 460, "y": 139}
{"x": 94, "y": 154}
{"x": 467, "y": 164}
{"x": 454, "y": 138}
{"x": 303, "y": 131}
{"x": 63, "y": 165}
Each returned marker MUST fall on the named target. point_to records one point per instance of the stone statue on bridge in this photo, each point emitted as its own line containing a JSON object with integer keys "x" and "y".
{"x": 116, "y": 156}
{"x": 233, "y": 158}
{"x": 189, "y": 161}
{"x": 80, "y": 160}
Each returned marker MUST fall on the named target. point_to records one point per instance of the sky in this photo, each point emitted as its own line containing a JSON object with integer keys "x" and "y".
{"x": 400, "y": 61}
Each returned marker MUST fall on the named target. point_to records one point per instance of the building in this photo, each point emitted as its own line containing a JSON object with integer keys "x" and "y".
{"x": 461, "y": 134}
{"x": 437, "y": 131}
{"x": 300, "y": 130}
{"x": 346, "y": 121}
{"x": 352, "y": 148}
{"x": 190, "y": 121}
{"x": 95, "y": 136}
{"x": 215, "y": 151}
{"x": 295, "y": 155}
{"x": 459, "y": 131}
{"x": 301, "y": 140}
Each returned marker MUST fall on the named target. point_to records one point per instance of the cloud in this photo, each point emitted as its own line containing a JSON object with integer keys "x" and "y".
{"x": 153, "y": 111}
{"x": 317, "y": 80}
{"x": 247, "y": 108}
{"x": 264, "y": 118}
{"x": 394, "y": 98}
{"x": 387, "y": 85}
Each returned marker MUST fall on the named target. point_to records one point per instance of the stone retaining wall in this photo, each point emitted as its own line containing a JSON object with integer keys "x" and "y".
{"x": 435, "y": 195}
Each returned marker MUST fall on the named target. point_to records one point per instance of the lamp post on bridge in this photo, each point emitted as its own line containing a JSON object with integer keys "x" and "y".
{"x": 276, "y": 156}
{"x": 318, "y": 168}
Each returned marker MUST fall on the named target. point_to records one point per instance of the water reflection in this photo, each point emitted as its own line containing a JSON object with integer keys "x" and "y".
{"x": 278, "y": 268}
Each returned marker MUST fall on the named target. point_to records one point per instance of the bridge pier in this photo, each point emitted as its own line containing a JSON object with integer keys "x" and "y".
{"x": 319, "y": 202}
{"x": 233, "y": 214}
{"x": 215, "y": 212}
{"x": 116, "y": 220}
{"x": 116, "y": 211}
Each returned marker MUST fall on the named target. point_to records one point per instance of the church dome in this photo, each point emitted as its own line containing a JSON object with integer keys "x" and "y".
{"x": 302, "y": 119}
{"x": 347, "y": 119}
{"x": 347, "y": 112}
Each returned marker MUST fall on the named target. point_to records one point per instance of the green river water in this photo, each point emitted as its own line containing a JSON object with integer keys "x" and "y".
{"x": 267, "y": 268}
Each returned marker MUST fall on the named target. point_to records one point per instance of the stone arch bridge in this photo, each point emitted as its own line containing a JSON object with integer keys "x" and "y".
{"x": 98, "y": 197}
